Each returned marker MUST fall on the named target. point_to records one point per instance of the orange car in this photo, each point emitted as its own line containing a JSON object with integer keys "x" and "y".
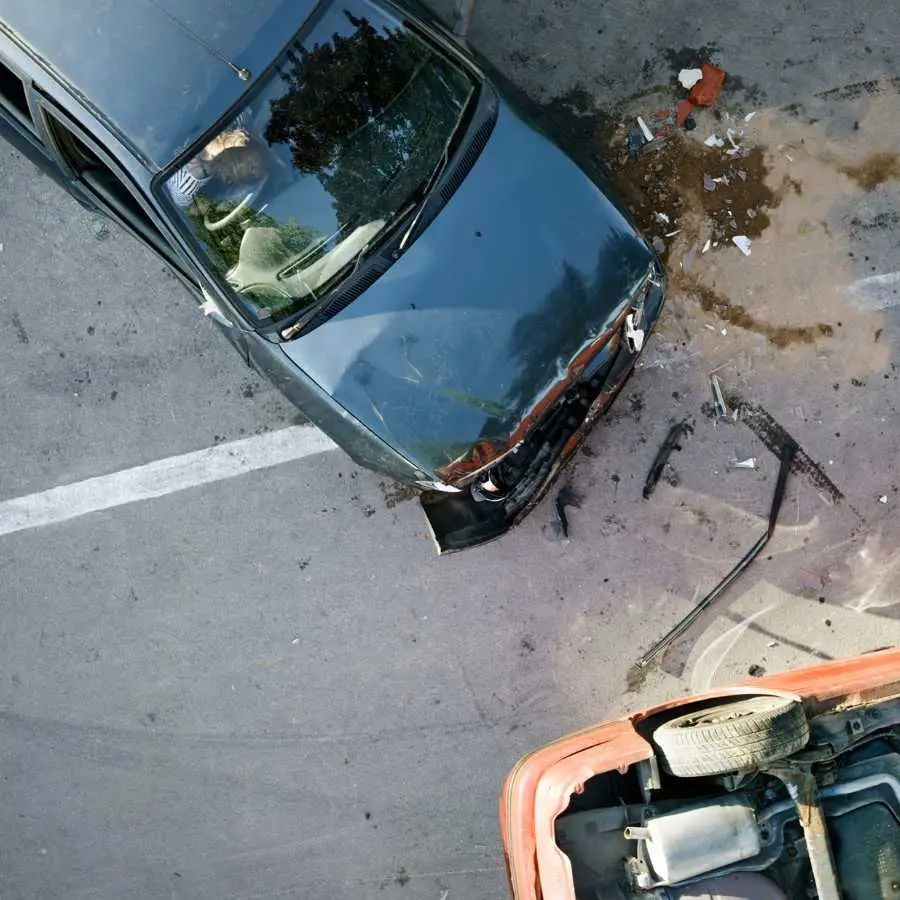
{"x": 782, "y": 787}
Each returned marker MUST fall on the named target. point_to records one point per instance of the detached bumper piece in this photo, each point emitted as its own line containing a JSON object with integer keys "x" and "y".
{"x": 459, "y": 521}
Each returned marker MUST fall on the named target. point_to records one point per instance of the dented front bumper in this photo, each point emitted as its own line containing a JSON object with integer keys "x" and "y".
{"x": 459, "y": 520}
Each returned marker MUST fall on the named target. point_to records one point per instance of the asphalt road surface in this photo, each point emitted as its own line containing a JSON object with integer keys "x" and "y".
{"x": 231, "y": 664}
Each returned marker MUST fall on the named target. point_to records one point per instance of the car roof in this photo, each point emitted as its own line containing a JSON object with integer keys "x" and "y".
{"x": 156, "y": 70}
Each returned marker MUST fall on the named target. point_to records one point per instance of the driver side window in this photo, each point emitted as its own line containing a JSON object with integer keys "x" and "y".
{"x": 108, "y": 191}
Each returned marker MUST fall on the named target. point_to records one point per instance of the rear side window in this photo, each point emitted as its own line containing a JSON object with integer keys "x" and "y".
{"x": 12, "y": 92}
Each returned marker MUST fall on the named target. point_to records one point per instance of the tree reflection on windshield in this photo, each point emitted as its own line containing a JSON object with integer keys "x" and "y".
{"x": 354, "y": 120}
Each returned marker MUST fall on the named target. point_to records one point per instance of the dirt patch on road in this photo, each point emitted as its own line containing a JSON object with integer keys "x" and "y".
{"x": 785, "y": 185}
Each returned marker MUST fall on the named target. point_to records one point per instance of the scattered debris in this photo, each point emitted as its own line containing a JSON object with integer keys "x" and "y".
{"x": 756, "y": 670}
{"x": 687, "y": 78}
{"x": 714, "y": 141}
{"x": 673, "y": 233}
{"x": 645, "y": 130}
{"x": 749, "y": 116}
{"x": 749, "y": 462}
{"x": 742, "y": 242}
{"x": 665, "y": 451}
{"x": 567, "y": 496}
{"x": 709, "y": 184}
{"x": 721, "y": 407}
{"x": 661, "y": 217}
{"x": 772, "y": 644}
{"x": 707, "y": 245}
{"x": 882, "y": 498}
{"x": 786, "y": 455}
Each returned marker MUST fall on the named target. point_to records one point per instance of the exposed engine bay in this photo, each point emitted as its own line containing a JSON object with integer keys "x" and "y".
{"x": 745, "y": 800}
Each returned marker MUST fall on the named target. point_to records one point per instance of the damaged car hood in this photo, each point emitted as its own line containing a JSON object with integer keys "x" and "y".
{"x": 525, "y": 269}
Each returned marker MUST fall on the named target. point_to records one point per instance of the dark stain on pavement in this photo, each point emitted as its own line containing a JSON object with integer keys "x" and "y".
{"x": 21, "y": 333}
{"x": 395, "y": 493}
{"x": 737, "y": 314}
{"x": 877, "y": 169}
{"x": 774, "y": 437}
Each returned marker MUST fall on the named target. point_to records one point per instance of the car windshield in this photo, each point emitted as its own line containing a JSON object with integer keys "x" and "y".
{"x": 339, "y": 141}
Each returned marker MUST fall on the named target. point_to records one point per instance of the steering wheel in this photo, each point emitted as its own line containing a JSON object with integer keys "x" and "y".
{"x": 229, "y": 217}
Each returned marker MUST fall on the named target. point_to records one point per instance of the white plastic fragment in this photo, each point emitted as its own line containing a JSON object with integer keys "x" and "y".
{"x": 634, "y": 336}
{"x": 706, "y": 246}
{"x": 882, "y": 498}
{"x": 742, "y": 242}
{"x": 714, "y": 141}
{"x": 749, "y": 116}
{"x": 661, "y": 217}
{"x": 673, "y": 233}
{"x": 648, "y": 134}
{"x": 687, "y": 78}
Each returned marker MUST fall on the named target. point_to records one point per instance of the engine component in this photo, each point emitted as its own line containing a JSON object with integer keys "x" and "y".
{"x": 737, "y": 886}
{"x": 690, "y": 842}
{"x": 804, "y": 791}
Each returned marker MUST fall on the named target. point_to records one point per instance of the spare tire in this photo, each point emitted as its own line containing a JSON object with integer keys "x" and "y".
{"x": 741, "y": 735}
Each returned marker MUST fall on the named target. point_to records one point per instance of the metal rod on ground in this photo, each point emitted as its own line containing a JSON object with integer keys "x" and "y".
{"x": 462, "y": 16}
{"x": 786, "y": 455}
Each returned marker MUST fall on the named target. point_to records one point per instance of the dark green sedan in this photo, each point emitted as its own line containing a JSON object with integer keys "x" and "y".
{"x": 374, "y": 223}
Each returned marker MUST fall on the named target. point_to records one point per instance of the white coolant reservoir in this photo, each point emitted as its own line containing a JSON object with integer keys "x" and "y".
{"x": 689, "y": 842}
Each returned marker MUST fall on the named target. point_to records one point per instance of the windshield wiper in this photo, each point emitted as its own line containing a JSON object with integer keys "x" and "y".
{"x": 434, "y": 179}
{"x": 431, "y": 185}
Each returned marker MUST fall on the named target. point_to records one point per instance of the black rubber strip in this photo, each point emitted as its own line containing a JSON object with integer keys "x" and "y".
{"x": 786, "y": 454}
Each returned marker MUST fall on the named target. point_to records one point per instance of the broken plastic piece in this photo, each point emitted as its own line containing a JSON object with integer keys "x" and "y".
{"x": 635, "y": 140}
{"x": 714, "y": 141}
{"x": 749, "y": 462}
{"x": 718, "y": 397}
{"x": 661, "y": 217}
{"x": 663, "y": 454}
{"x": 706, "y": 246}
{"x": 749, "y": 116}
{"x": 567, "y": 496}
{"x": 687, "y": 78}
{"x": 709, "y": 184}
{"x": 742, "y": 242}
{"x": 706, "y": 90}
{"x": 645, "y": 129}
{"x": 634, "y": 336}
{"x": 882, "y": 498}
{"x": 786, "y": 454}
{"x": 683, "y": 111}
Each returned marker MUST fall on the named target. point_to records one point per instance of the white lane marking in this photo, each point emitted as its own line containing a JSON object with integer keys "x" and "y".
{"x": 164, "y": 476}
{"x": 876, "y": 292}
